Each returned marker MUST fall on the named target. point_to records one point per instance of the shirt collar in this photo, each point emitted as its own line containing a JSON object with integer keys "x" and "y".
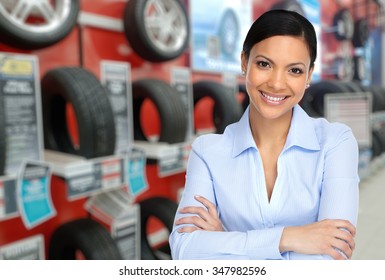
{"x": 301, "y": 133}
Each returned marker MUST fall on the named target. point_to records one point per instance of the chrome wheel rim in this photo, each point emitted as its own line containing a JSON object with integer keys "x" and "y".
{"x": 36, "y": 16}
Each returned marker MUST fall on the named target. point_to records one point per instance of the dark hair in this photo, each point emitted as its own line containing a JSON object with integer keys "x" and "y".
{"x": 281, "y": 22}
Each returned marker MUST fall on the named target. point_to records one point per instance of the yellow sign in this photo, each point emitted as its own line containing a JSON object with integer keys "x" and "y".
{"x": 13, "y": 66}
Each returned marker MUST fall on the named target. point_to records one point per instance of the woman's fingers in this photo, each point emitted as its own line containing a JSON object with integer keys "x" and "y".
{"x": 187, "y": 229}
{"x": 343, "y": 247}
{"x": 344, "y": 224}
{"x": 194, "y": 220}
{"x": 205, "y": 218}
{"x": 212, "y": 209}
{"x": 346, "y": 237}
{"x": 200, "y": 211}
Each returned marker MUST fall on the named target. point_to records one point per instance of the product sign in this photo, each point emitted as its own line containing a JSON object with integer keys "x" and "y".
{"x": 126, "y": 233}
{"x": 8, "y": 201}
{"x": 31, "y": 248}
{"x": 20, "y": 94}
{"x": 172, "y": 161}
{"x": 116, "y": 76}
{"x": 116, "y": 209}
{"x": 353, "y": 110}
{"x": 34, "y": 197}
{"x": 103, "y": 175}
{"x": 218, "y": 29}
{"x": 136, "y": 171}
{"x": 181, "y": 82}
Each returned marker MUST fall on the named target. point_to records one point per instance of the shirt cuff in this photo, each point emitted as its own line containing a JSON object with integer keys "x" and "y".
{"x": 264, "y": 244}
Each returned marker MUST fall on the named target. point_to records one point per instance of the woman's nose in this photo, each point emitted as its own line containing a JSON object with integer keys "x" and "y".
{"x": 277, "y": 80}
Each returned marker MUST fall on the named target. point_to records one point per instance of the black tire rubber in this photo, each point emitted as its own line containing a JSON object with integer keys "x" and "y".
{"x": 290, "y": 5}
{"x": 317, "y": 92}
{"x": 361, "y": 33}
{"x": 359, "y": 68}
{"x": 246, "y": 98}
{"x": 94, "y": 115}
{"x": 84, "y": 235}
{"x": 135, "y": 31}
{"x": 164, "y": 210}
{"x": 378, "y": 98}
{"x": 3, "y": 147}
{"x": 17, "y": 37}
{"x": 169, "y": 105}
{"x": 343, "y": 18}
{"x": 227, "y": 109}
{"x": 377, "y": 143}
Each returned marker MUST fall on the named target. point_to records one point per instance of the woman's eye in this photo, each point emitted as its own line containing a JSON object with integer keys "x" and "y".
{"x": 296, "y": 70}
{"x": 263, "y": 64}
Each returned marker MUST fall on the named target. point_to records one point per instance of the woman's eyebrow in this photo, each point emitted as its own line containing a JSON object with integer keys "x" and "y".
{"x": 272, "y": 61}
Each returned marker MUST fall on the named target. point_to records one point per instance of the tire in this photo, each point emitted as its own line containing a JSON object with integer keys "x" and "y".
{"x": 3, "y": 148}
{"x": 246, "y": 98}
{"x": 92, "y": 108}
{"x": 361, "y": 33}
{"x": 344, "y": 68}
{"x": 229, "y": 33}
{"x": 227, "y": 109}
{"x": 84, "y": 235}
{"x": 378, "y": 98}
{"x": 343, "y": 25}
{"x": 145, "y": 39}
{"x": 320, "y": 89}
{"x": 28, "y": 34}
{"x": 377, "y": 143}
{"x": 164, "y": 210}
{"x": 169, "y": 105}
{"x": 290, "y": 5}
{"x": 359, "y": 68}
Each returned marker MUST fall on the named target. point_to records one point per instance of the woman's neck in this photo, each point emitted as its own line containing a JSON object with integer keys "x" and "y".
{"x": 268, "y": 133}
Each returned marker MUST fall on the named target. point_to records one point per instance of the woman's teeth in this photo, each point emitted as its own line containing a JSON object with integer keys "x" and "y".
{"x": 275, "y": 99}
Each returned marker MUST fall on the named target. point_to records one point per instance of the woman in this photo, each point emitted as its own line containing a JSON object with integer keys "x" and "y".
{"x": 277, "y": 184}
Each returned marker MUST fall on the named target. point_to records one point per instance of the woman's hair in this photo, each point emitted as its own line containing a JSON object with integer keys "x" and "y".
{"x": 281, "y": 22}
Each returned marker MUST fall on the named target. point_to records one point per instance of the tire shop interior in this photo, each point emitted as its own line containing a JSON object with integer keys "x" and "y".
{"x": 100, "y": 101}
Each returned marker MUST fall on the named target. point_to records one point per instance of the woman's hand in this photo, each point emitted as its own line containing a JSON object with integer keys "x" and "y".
{"x": 324, "y": 237}
{"x": 205, "y": 218}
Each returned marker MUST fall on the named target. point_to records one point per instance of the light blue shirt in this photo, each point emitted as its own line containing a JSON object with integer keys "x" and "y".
{"x": 317, "y": 179}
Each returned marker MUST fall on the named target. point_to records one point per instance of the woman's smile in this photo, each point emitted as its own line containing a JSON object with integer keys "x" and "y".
{"x": 273, "y": 99}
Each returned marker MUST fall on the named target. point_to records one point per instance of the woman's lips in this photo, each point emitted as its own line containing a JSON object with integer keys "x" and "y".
{"x": 270, "y": 99}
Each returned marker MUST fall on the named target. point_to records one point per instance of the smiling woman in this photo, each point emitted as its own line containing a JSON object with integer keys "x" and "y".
{"x": 278, "y": 184}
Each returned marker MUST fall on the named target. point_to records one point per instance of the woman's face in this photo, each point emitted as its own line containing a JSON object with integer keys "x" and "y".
{"x": 277, "y": 72}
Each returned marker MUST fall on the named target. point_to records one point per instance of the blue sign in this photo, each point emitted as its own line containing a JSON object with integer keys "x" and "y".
{"x": 34, "y": 194}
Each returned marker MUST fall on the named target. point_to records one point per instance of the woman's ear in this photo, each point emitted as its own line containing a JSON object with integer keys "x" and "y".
{"x": 310, "y": 75}
{"x": 244, "y": 61}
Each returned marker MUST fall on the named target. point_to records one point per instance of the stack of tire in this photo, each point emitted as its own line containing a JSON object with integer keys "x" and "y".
{"x": 313, "y": 104}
